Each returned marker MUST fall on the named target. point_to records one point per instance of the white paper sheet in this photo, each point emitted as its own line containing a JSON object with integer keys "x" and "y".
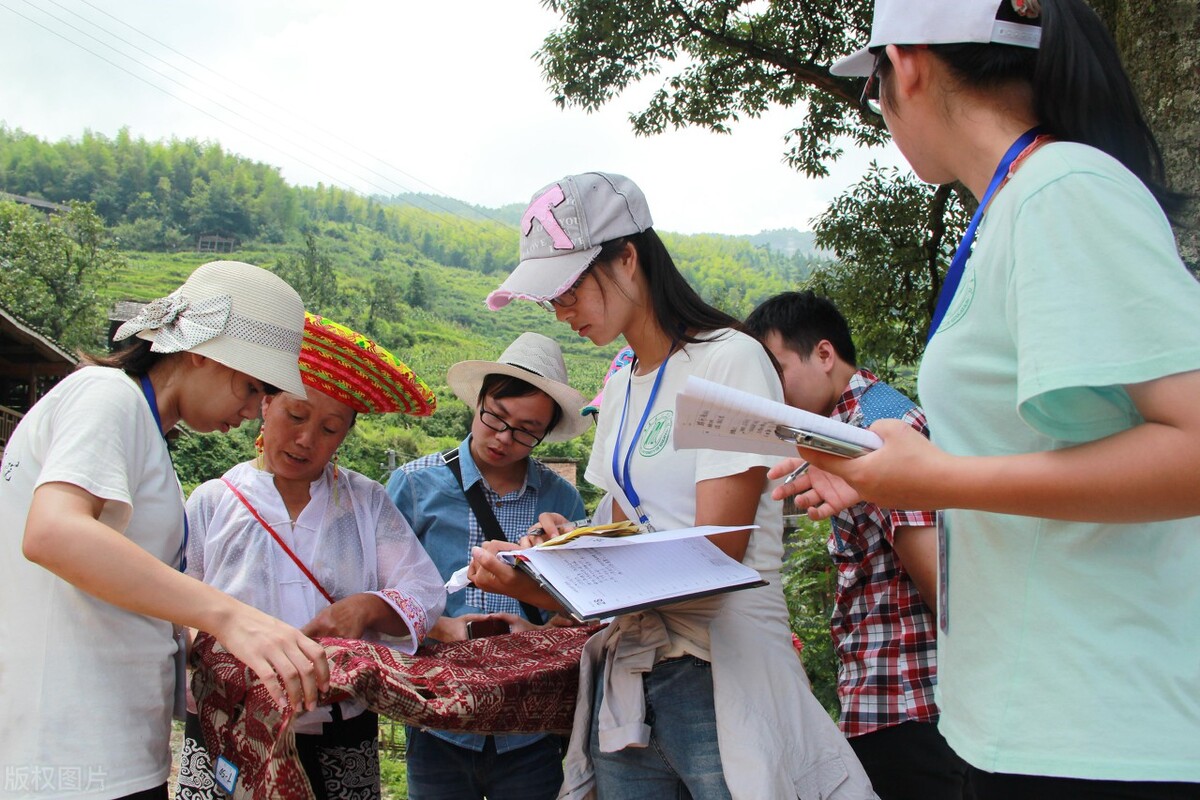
{"x": 717, "y": 417}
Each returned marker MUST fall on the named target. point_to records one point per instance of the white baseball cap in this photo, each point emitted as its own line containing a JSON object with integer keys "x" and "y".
{"x": 1013, "y": 22}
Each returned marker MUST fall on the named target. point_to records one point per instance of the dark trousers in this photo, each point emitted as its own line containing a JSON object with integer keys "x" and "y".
{"x": 1000, "y": 786}
{"x": 157, "y": 793}
{"x": 440, "y": 770}
{"x": 912, "y": 761}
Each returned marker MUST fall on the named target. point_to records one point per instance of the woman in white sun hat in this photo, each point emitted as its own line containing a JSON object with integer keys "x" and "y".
{"x": 1060, "y": 383}
{"x": 704, "y": 698}
{"x": 93, "y": 542}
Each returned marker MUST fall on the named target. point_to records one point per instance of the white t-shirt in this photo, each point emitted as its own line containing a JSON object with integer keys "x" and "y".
{"x": 775, "y": 739}
{"x": 665, "y": 478}
{"x": 85, "y": 688}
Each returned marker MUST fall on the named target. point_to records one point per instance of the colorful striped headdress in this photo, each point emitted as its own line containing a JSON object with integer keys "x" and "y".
{"x": 353, "y": 369}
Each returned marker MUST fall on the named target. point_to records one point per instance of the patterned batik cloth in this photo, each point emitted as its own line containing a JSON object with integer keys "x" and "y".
{"x": 519, "y": 683}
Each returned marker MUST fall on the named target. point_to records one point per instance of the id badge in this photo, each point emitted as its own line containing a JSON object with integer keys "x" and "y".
{"x": 943, "y": 594}
{"x": 179, "y": 706}
{"x": 225, "y": 774}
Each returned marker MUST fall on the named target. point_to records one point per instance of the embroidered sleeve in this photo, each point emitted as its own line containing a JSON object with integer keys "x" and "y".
{"x": 414, "y": 615}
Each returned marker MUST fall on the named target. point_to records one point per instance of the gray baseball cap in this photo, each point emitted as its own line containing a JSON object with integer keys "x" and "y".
{"x": 562, "y": 231}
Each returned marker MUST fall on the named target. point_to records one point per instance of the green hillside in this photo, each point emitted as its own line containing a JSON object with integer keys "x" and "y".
{"x": 412, "y": 270}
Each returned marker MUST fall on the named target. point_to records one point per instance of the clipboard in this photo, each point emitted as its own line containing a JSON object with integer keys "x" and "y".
{"x": 593, "y": 581}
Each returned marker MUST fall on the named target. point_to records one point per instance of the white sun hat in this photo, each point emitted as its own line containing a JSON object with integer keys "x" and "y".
{"x": 537, "y": 360}
{"x": 235, "y": 313}
{"x": 1012, "y": 22}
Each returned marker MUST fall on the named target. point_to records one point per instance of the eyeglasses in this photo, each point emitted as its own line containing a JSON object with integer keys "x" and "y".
{"x": 567, "y": 298}
{"x": 870, "y": 93}
{"x": 519, "y": 435}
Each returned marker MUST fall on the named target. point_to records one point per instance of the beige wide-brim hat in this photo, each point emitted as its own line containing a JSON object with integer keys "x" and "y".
{"x": 537, "y": 360}
{"x": 235, "y": 313}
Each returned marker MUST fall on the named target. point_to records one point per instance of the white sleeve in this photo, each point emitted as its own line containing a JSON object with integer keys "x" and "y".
{"x": 741, "y": 362}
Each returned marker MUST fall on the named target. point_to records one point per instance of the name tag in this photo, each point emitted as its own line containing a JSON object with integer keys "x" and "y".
{"x": 943, "y": 600}
{"x": 226, "y": 774}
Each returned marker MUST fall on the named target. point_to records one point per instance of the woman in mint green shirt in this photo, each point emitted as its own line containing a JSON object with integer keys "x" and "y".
{"x": 1060, "y": 384}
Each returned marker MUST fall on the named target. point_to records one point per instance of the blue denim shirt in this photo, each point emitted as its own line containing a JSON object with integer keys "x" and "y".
{"x": 429, "y": 497}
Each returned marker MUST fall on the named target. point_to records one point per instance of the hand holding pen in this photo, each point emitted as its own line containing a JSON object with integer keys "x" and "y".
{"x": 785, "y": 488}
{"x": 796, "y": 473}
{"x": 549, "y": 525}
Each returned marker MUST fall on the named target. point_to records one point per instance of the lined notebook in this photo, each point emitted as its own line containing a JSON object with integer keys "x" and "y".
{"x": 596, "y": 577}
{"x": 718, "y": 417}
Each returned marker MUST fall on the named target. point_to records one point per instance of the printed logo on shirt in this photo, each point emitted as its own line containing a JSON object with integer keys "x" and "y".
{"x": 9, "y": 466}
{"x": 658, "y": 433}
{"x": 962, "y": 302}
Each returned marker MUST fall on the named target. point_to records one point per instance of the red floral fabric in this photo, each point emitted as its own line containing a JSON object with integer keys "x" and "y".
{"x": 519, "y": 683}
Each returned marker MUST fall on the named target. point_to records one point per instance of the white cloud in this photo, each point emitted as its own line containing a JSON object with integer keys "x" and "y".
{"x": 398, "y": 96}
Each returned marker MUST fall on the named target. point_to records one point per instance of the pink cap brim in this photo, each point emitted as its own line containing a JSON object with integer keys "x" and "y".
{"x": 542, "y": 278}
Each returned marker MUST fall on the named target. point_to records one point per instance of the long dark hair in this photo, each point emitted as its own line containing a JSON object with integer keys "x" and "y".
{"x": 1081, "y": 92}
{"x": 679, "y": 309}
{"x": 134, "y": 359}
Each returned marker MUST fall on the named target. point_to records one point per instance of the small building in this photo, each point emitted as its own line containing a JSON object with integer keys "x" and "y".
{"x": 121, "y": 312}
{"x": 45, "y": 206}
{"x": 212, "y": 243}
{"x": 30, "y": 364}
{"x": 563, "y": 467}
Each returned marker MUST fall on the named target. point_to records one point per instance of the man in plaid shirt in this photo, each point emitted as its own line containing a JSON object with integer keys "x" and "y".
{"x": 883, "y": 627}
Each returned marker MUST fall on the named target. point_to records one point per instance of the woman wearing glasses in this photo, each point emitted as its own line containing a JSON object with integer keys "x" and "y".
{"x": 1060, "y": 383}
{"x": 704, "y": 698}
{"x": 520, "y": 401}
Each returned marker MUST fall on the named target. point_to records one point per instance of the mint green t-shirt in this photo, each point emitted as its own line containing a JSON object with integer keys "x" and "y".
{"x": 1072, "y": 649}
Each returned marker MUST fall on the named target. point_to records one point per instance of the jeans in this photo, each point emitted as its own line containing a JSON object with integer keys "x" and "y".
{"x": 439, "y": 770}
{"x": 682, "y": 760}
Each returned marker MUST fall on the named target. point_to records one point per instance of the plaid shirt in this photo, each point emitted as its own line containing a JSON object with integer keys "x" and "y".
{"x": 429, "y": 496}
{"x": 884, "y": 633}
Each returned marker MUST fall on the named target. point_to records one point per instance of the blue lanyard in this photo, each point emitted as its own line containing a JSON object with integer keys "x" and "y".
{"x": 152, "y": 401}
{"x": 959, "y": 264}
{"x": 625, "y": 480}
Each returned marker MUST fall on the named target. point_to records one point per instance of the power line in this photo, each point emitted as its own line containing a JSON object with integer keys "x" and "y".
{"x": 320, "y": 170}
{"x": 307, "y": 122}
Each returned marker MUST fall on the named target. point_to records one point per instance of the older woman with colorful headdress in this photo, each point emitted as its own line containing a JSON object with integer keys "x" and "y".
{"x": 318, "y": 546}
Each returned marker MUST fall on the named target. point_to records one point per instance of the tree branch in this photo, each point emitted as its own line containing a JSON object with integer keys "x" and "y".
{"x": 806, "y": 72}
{"x": 936, "y": 225}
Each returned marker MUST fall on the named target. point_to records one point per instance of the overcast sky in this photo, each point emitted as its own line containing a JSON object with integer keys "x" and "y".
{"x": 384, "y": 96}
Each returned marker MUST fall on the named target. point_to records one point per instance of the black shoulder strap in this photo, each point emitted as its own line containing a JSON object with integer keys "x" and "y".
{"x": 487, "y": 520}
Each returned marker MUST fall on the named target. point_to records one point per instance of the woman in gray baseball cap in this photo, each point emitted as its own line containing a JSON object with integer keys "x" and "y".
{"x": 704, "y": 698}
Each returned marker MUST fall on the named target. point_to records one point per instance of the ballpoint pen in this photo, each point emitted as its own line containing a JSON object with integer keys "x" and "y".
{"x": 796, "y": 473}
